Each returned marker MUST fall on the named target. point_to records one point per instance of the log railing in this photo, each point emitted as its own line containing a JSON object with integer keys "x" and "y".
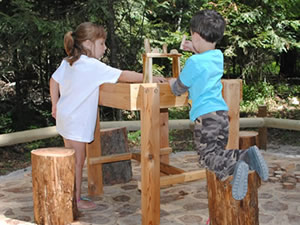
{"x": 48, "y": 132}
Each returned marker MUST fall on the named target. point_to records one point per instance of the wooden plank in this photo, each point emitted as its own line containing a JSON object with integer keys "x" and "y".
{"x": 126, "y": 96}
{"x": 93, "y": 149}
{"x": 163, "y": 151}
{"x": 168, "y": 169}
{"x": 182, "y": 178}
{"x": 162, "y": 55}
{"x": 150, "y": 146}
{"x": 110, "y": 158}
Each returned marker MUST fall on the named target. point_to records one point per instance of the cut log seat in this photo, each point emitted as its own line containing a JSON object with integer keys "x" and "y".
{"x": 224, "y": 209}
{"x": 53, "y": 181}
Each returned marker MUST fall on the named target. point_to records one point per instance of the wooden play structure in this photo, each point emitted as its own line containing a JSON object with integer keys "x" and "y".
{"x": 153, "y": 101}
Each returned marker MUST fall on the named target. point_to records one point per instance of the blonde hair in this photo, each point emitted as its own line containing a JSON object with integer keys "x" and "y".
{"x": 73, "y": 40}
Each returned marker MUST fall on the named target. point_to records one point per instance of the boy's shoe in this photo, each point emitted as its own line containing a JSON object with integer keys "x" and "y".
{"x": 240, "y": 180}
{"x": 256, "y": 162}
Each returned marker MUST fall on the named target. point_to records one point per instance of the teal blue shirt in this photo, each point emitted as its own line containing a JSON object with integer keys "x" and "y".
{"x": 202, "y": 75}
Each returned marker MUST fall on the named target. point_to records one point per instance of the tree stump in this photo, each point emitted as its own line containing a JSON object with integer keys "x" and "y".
{"x": 53, "y": 181}
{"x": 248, "y": 139}
{"x": 114, "y": 141}
{"x": 224, "y": 209}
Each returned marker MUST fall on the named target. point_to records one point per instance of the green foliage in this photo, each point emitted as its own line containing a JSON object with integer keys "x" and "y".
{"x": 261, "y": 43}
{"x": 134, "y": 137}
{"x": 179, "y": 113}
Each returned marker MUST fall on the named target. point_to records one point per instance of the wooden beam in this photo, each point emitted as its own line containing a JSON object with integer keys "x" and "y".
{"x": 232, "y": 95}
{"x": 182, "y": 178}
{"x": 110, "y": 158}
{"x": 150, "y": 157}
{"x": 168, "y": 169}
{"x": 163, "y": 151}
{"x": 162, "y": 55}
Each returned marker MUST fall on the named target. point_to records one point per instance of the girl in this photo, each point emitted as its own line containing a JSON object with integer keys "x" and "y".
{"x": 74, "y": 91}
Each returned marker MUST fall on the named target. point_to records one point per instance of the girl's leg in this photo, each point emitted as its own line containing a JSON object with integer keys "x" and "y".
{"x": 79, "y": 148}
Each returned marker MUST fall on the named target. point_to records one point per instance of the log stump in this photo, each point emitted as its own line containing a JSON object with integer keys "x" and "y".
{"x": 114, "y": 141}
{"x": 53, "y": 181}
{"x": 224, "y": 209}
{"x": 248, "y": 139}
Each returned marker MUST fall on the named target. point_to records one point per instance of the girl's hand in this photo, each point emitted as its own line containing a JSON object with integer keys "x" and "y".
{"x": 53, "y": 111}
{"x": 159, "y": 79}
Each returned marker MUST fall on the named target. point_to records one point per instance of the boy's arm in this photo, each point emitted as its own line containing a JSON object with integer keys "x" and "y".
{"x": 54, "y": 94}
{"x": 177, "y": 86}
{"x": 134, "y": 77}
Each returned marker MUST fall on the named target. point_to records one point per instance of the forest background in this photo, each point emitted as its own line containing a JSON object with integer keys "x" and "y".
{"x": 261, "y": 47}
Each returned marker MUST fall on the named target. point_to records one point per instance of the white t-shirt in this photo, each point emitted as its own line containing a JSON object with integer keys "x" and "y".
{"x": 79, "y": 93}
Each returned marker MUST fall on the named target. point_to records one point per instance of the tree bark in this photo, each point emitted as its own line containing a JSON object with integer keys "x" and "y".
{"x": 53, "y": 181}
{"x": 224, "y": 209}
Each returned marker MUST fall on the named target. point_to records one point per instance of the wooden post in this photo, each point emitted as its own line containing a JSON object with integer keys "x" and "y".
{"x": 150, "y": 159}
{"x": 147, "y": 69}
{"x": 232, "y": 95}
{"x": 164, "y": 133}
{"x": 262, "y": 132}
{"x": 176, "y": 66}
{"x": 53, "y": 181}
{"x": 224, "y": 209}
{"x": 93, "y": 149}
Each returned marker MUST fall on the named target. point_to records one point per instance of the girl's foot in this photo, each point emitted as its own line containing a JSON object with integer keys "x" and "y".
{"x": 86, "y": 204}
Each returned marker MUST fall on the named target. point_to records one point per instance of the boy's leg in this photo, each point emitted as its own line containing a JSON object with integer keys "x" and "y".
{"x": 256, "y": 162}
{"x": 79, "y": 148}
{"x": 211, "y": 136}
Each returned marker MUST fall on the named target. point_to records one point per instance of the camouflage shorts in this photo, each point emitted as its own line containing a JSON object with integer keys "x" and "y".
{"x": 210, "y": 138}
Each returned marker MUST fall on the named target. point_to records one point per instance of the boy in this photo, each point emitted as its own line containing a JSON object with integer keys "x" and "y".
{"x": 201, "y": 77}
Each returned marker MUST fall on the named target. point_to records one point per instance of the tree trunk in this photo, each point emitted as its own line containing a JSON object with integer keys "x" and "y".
{"x": 53, "y": 181}
{"x": 224, "y": 209}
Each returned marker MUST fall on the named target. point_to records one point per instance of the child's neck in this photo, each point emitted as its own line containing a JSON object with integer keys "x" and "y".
{"x": 206, "y": 47}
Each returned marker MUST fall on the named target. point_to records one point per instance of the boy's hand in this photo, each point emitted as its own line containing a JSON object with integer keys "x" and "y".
{"x": 188, "y": 46}
{"x": 171, "y": 81}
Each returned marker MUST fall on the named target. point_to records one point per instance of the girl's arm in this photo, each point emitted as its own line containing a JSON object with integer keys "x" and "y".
{"x": 134, "y": 77}
{"x": 54, "y": 93}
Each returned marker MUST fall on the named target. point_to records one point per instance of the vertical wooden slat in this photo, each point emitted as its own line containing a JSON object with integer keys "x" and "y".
{"x": 150, "y": 159}
{"x": 93, "y": 149}
{"x": 164, "y": 133}
{"x": 176, "y": 66}
{"x": 147, "y": 69}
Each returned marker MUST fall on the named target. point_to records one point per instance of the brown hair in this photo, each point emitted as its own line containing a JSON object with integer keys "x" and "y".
{"x": 73, "y": 40}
